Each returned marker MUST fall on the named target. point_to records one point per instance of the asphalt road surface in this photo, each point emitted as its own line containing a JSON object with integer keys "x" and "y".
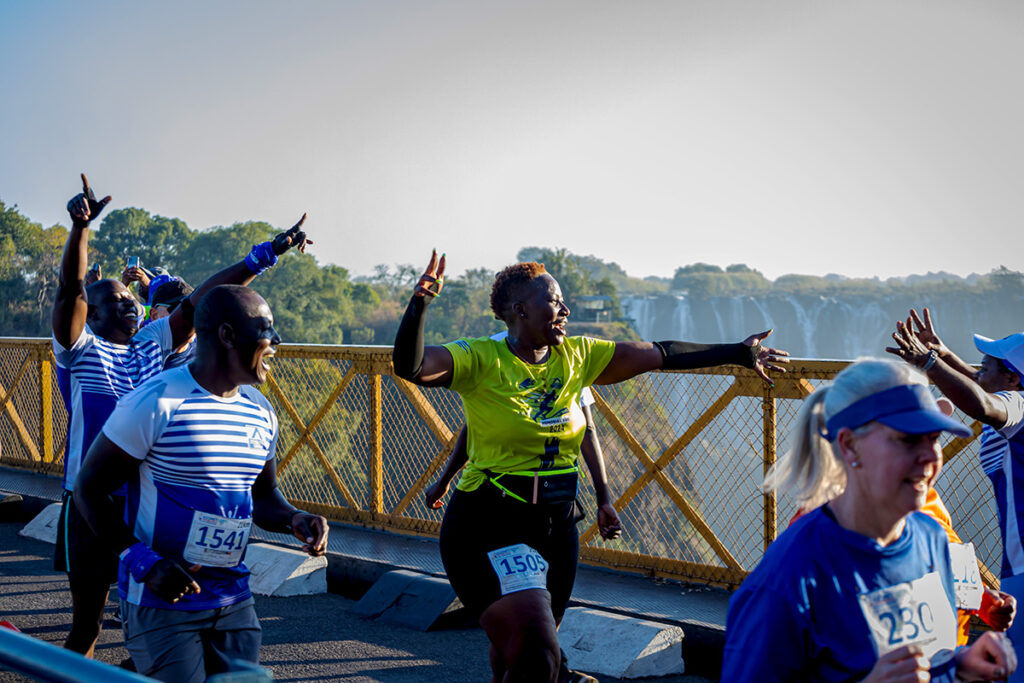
{"x": 305, "y": 638}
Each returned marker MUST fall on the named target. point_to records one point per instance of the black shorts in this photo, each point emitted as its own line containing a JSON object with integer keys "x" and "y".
{"x": 86, "y": 559}
{"x": 478, "y": 522}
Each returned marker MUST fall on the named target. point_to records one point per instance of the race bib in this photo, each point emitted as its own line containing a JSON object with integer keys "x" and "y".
{"x": 215, "y": 541}
{"x": 519, "y": 567}
{"x": 914, "y": 613}
{"x": 966, "y": 576}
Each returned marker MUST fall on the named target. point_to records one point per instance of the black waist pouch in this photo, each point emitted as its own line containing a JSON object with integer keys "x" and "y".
{"x": 538, "y": 488}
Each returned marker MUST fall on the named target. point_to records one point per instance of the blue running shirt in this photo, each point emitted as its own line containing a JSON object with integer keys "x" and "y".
{"x": 98, "y": 373}
{"x": 200, "y": 455}
{"x": 798, "y": 616}
{"x": 1002, "y": 459}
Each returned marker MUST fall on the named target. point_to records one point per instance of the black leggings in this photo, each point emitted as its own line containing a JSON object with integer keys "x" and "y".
{"x": 477, "y": 522}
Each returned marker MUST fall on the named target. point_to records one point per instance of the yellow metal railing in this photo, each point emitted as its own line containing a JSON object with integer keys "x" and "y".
{"x": 685, "y": 453}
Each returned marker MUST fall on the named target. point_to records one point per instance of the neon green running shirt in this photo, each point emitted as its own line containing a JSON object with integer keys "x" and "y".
{"x": 522, "y": 417}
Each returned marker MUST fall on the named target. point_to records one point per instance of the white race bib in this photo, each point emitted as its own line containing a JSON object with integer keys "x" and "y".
{"x": 914, "y": 613}
{"x": 966, "y": 576}
{"x": 519, "y": 567}
{"x": 215, "y": 541}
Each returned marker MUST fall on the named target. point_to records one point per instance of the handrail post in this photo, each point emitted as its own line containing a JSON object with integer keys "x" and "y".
{"x": 45, "y": 402}
{"x": 769, "y": 416}
{"x": 376, "y": 441}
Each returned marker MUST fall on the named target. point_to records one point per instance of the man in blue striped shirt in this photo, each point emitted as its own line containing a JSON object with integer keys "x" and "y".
{"x": 200, "y": 441}
{"x": 993, "y": 395}
{"x": 102, "y": 355}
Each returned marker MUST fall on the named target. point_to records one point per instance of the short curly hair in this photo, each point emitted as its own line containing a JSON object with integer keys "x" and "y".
{"x": 509, "y": 285}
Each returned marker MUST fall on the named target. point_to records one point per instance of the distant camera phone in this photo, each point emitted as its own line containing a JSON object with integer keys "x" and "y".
{"x": 95, "y": 268}
{"x": 133, "y": 262}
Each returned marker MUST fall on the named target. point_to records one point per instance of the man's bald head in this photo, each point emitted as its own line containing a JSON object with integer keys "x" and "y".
{"x": 232, "y": 304}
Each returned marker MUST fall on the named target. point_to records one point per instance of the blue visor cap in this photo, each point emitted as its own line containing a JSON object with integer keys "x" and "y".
{"x": 910, "y": 409}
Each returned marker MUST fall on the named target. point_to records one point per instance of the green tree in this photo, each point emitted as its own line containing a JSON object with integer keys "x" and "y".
{"x": 156, "y": 240}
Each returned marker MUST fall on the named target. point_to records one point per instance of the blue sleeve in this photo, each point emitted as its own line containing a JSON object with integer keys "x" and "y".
{"x": 765, "y": 638}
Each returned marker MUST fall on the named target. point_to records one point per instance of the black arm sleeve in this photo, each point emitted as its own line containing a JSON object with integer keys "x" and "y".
{"x": 408, "y": 352}
{"x": 680, "y": 355}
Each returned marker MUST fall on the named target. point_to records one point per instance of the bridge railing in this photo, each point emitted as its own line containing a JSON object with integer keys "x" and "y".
{"x": 685, "y": 453}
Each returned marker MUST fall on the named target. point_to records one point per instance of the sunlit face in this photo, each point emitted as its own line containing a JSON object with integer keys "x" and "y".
{"x": 256, "y": 344}
{"x": 895, "y": 470}
{"x": 544, "y": 311}
{"x": 115, "y": 314}
{"x": 993, "y": 376}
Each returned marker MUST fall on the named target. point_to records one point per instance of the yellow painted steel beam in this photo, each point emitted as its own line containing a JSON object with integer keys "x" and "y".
{"x": 376, "y": 465}
{"x": 313, "y": 445}
{"x": 424, "y": 409}
{"x": 45, "y": 357}
{"x": 958, "y": 444}
{"x": 652, "y": 565}
{"x": 425, "y": 476}
{"x": 654, "y": 472}
{"x": 8, "y": 407}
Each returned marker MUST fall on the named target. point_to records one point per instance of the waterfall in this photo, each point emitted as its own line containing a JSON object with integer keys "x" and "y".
{"x": 815, "y": 326}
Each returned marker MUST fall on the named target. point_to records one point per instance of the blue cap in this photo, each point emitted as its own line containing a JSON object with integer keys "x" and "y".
{"x": 909, "y": 408}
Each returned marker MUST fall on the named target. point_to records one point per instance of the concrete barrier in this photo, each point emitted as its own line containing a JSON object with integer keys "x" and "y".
{"x": 43, "y": 526}
{"x": 411, "y": 599}
{"x": 600, "y": 642}
{"x": 280, "y": 571}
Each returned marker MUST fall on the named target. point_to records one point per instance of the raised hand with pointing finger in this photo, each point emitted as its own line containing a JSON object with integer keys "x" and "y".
{"x": 84, "y": 208}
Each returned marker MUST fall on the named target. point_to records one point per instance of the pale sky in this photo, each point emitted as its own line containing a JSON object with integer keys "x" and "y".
{"x": 860, "y": 137}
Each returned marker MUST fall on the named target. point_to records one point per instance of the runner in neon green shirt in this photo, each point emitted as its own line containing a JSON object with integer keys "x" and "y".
{"x": 509, "y": 541}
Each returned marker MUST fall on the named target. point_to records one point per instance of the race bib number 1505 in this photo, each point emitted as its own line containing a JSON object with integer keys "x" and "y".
{"x": 519, "y": 567}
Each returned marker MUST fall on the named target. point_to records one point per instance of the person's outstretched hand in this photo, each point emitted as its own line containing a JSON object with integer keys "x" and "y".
{"x": 293, "y": 237}
{"x": 83, "y": 208}
{"x": 432, "y": 280}
{"x": 925, "y": 330}
{"x": 765, "y": 357}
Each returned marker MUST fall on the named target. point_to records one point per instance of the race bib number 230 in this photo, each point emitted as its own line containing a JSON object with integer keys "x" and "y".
{"x": 913, "y": 613}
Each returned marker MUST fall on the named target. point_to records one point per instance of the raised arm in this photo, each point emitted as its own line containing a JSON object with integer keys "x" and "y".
{"x": 69, "y": 305}
{"x": 260, "y": 258}
{"x": 962, "y": 390}
{"x": 635, "y": 358}
{"x": 428, "y": 366}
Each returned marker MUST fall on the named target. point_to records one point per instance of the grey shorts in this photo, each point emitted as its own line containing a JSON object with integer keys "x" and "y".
{"x": 186, "y": 647}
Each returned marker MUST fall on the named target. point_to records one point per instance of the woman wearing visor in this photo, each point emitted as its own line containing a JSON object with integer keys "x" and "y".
{"x": 860, "y": 589}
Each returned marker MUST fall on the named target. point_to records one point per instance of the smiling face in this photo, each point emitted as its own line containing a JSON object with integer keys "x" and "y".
{"x": 542, "y": 312}
{"x": 255, "y": 342}
{"x": 113, "y": 311}
{"x": 894, "y": 470}
{"x": 994, "y": 376}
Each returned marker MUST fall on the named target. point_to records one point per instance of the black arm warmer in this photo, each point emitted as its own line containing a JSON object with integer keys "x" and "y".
{"x": 408, "y": 352}
{"x": 680, "y": 355}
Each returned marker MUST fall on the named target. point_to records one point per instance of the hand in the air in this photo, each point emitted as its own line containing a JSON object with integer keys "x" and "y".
{"x": 292, "y": 237}
{"x": 83, "y": 207}
{"x": 432, "y": 280}
{"x": 765, "y": 357}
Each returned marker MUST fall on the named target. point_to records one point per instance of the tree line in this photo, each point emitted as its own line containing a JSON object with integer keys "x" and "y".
{"x": 325, "y": 305}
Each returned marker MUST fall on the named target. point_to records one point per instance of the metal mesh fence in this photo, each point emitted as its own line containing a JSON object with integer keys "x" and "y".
{"x": 685, "y": 453}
